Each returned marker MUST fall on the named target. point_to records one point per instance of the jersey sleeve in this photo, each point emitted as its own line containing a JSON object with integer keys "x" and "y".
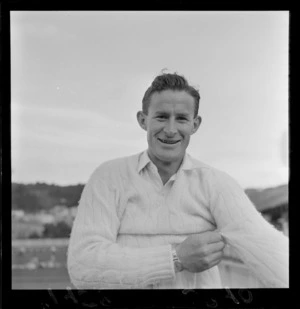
{"x": 263, "y": 249}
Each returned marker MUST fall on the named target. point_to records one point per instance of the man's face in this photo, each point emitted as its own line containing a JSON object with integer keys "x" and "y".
{"x": 170, "y": 123}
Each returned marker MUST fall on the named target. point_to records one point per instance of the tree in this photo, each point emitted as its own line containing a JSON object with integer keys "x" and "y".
{"x": 58, "y": 230}
{"x": 24, "y": 199}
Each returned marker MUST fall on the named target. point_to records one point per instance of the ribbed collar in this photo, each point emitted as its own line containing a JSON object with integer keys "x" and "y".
{"x": 144, "y": 160}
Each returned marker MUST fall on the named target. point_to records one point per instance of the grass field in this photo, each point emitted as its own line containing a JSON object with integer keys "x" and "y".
{"x": 55, "y": 279}
{"x": 41, "y": 264}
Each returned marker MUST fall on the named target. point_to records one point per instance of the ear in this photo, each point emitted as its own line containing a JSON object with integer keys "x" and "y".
{"x": 196, "y": 124}
{"x": 142, "y": 120}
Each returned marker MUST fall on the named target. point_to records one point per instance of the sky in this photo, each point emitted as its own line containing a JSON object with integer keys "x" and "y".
{"x": 78, "y": 79}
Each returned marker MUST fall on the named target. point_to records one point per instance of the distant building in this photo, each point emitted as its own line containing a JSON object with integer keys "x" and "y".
{"x": 63, "y": 213}
{"x": 17, "y": 214}
{"x": 45, "y": 218}
{"x": 60, "y": 212}
{"x": 73, "y": 211}
{"x": 273, "y": 205}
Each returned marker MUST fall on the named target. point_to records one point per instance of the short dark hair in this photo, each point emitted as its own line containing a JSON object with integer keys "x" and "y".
{"x": 168, "y": 81}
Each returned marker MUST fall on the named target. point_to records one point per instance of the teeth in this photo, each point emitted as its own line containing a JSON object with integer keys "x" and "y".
{"x": 168, "y": 142}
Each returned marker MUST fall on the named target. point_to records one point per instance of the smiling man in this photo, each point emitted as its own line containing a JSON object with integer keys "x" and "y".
{"x": 160, "y": 218}
{"x": 169, "y": 120}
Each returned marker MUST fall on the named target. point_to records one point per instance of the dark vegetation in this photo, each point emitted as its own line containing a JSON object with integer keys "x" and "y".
{"x": 40, "y": 196}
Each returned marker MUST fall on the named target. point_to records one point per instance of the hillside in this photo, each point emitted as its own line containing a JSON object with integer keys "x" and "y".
{"x": 268, "y": 198}
{"x": 41, "y": 196}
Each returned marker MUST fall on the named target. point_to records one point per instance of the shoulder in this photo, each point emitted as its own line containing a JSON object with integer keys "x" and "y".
{"x": 199, "y": 165}
{"x": 214, "y": 177}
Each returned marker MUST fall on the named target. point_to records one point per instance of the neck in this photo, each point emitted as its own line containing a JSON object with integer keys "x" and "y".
{"x": 166, "y": 169}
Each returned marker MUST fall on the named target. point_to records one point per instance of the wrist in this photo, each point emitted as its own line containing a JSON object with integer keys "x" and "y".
{"x": 178, "y": 266}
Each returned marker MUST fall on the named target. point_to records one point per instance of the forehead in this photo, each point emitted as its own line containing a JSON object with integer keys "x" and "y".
{"x": 172, "y": 101}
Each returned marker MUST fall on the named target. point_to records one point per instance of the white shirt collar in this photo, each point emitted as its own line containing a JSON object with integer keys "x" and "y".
{"x": 144, "y": 160}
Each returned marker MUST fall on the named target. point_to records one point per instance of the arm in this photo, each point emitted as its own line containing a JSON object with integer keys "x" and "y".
{"x": 263, "y": 249}
{"x": 95, "y": 260}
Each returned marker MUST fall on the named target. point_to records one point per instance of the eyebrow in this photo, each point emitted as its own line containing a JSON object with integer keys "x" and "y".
{"x": 165, "y": 113}
{"x": 183, "y": 114}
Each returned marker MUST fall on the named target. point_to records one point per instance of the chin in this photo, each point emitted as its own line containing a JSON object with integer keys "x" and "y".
{"x": 169, "y": 157}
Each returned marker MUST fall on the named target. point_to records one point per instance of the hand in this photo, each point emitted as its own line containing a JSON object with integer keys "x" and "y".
{"x": 202, "y": 251}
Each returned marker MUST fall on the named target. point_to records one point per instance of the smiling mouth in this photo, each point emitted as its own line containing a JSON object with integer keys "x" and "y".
{"x": 169, "y": 142}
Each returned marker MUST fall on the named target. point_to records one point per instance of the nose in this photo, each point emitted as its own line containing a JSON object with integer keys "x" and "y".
{"x": 170, "y": 128}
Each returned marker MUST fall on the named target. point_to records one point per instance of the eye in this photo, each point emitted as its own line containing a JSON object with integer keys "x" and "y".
{"x": 182, "y": 118}
{"x": 161, "y": 117}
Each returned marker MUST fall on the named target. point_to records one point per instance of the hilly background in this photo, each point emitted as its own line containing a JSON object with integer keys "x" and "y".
{"x": 42, "y": 196}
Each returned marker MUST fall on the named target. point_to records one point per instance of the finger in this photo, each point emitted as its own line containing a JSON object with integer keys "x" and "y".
{"x": 215, "y": 237}
{"x": 215, "y": 259}
{"x": 208, "y": 236}
{"x": 215, "y": 247}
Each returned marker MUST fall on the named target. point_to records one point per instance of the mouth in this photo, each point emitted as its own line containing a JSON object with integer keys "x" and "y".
{"x": 168, "y": 142}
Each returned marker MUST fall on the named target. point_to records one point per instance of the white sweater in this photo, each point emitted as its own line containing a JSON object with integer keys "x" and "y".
{"x": 127, "y": 220}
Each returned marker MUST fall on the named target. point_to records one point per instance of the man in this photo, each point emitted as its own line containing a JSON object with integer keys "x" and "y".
{"x": 160, "y": 218}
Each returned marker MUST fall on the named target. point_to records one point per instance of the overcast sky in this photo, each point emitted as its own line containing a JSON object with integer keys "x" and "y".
{"x": 78, "y": 79}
